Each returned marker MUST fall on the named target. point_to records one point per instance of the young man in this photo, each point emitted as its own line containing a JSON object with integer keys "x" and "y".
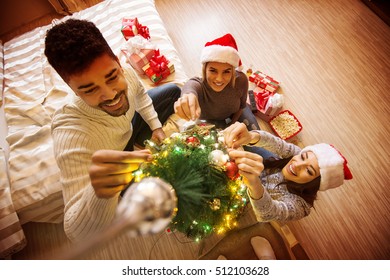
{"x": 110, "y": 112}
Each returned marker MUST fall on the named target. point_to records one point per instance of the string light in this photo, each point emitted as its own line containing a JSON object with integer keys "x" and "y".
{"x": 195, "y": 163}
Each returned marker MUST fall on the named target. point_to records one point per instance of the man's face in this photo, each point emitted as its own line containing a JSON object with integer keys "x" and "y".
{"x": 102, "y": 86}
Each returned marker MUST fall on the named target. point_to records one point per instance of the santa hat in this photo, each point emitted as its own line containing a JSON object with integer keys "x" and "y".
{"x": 333, "y": 165}
{"x": 223, "y": 49}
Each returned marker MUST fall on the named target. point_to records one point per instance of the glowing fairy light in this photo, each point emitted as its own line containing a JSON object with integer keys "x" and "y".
{"x": 196, "y": 163}
{"x": 138, "y": 175}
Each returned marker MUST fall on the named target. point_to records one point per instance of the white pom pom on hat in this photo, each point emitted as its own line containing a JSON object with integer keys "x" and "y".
{"x": 223, "y": 49}
{"x": 333, "y": 165}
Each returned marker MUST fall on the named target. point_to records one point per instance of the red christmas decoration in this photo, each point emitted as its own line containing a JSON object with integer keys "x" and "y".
{"x": 192, "y": 141}
{"x": 231, "y": 170}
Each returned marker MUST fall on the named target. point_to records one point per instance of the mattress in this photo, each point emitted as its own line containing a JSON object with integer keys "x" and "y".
{"x": 30, "y": 187}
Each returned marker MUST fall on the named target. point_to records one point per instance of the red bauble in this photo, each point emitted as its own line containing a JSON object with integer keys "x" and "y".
{"x": 231, "y": 170}
{"x": 192, "y": 141}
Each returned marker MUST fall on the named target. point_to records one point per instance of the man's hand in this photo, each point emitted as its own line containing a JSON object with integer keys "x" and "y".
{"x": 110, "y": 170}
{"x": 187, "y": 107}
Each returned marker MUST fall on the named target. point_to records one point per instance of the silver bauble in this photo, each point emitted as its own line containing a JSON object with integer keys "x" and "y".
{"x": 147, "y": 206}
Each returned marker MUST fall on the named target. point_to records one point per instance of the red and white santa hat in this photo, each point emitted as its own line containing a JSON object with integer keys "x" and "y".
{"x": 333, "y": 165}
{"x": 223, "y": 49}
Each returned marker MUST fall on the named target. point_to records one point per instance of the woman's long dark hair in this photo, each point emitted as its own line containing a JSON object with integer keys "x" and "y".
{"x": 307, "y": 191}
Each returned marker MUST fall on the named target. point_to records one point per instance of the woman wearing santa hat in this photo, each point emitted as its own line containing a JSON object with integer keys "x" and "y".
{"x": 284, "y": 188}
{"x": 220, "y": 96}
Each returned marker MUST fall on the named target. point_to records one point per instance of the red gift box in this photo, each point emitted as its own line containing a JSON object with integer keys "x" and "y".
{"x": 131, "y": 27}
{"x": 158, "y": 68}
{"x": 261, "y": 97}
{"x": 265, "y": 109}
{"x": 264, "y": 81}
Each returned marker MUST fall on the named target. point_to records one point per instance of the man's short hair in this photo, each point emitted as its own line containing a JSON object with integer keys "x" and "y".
{"x": 72, "y": 46}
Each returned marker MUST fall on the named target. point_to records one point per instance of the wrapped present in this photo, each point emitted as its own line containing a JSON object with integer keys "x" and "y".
{"x": 261, "y": 97}
{"x": 138, "y": 52}
{"x": 264, "y": 81}
{"x": 131, "y": 27}
{"x": 265, "y": 115}
{"x": 158, "y": 68}
{"x": 274, "y": 104}
{"x": 272, "y": 108}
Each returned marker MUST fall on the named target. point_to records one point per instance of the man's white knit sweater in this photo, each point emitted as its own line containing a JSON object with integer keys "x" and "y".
{"x": 78, "y": 131}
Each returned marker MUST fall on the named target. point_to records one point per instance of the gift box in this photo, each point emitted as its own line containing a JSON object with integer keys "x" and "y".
{"x": 158, "y": 68}
{"x": 285, "y": 125}
{"x": 264, "y": 81}
{"x": 139, "y": 60}
{"x": 138, "y": 52}
{"x": 261, "y": 97}
{"x": 131, "y": 27}
{"x": 268, "y": 104}
{"x": 267, "y": 114}
{"x": 274, "y": 104}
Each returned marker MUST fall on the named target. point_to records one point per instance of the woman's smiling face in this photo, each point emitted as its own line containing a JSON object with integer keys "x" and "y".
{"x": 218, "y": 75}
{"x": 302, "y": 168}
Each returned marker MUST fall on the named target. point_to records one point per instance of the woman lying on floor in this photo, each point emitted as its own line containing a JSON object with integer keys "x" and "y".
{"x": 283, "y": 188}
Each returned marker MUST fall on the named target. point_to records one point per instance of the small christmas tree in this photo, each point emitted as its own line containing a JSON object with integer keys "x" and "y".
{"x": 211, "y": 195}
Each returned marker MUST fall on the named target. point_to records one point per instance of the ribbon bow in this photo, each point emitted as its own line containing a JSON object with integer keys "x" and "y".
{"x": 262, "y": 98}
{"x": 136, "y": 44}
{"x": 159, "y": 63}
{"x": 143, "y": 31}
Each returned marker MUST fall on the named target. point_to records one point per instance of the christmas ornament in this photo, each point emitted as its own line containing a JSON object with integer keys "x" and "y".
{"x": 231, "y": 170}
{"x": 192, "y": 141}
{"x": 147, "y": 207}
{"x": 218, "y": 157}
{"x": 215, "y": 204}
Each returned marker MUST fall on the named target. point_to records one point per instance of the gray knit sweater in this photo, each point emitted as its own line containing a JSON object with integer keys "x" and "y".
{"x": 277, "y": 203}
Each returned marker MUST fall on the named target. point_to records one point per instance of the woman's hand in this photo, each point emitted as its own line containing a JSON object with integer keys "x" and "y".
{"x": 187, "y": 107}
{"x": 250, "y": 166}
{"x": 158, "y": 135}
{"x": 110, "y": 170}
{"x": 237, "y": 135}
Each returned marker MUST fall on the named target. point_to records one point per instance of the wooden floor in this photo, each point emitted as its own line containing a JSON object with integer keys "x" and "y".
{"x": 332, "y": 59}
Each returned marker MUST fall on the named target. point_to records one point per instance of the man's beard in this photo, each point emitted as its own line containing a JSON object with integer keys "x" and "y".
{"x": 120, "y": 111}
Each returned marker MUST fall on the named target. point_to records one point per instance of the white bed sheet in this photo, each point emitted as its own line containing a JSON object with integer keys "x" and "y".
{"x": 33, "y": 91}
